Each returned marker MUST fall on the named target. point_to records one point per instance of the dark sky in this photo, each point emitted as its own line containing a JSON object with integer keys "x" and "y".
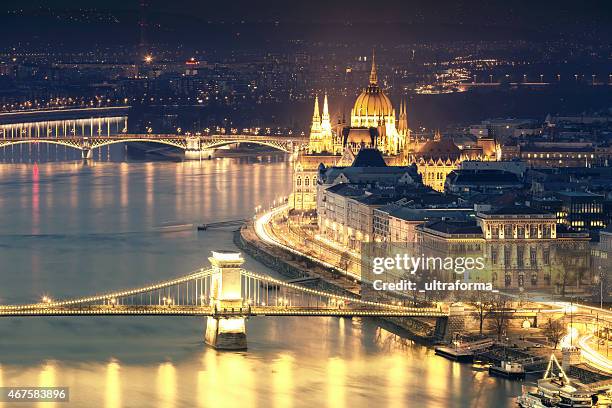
{"x": 367, "y": 21}
{"x": 335, "y": 10}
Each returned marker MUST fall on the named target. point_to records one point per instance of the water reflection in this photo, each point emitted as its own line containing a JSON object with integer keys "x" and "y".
{"x": 47, "y": 378}
{"x": 282, "y": 377}
{"x": 112, "y": 394}
{"x": 336, "y": 375}
{"x": 166, "y": 385}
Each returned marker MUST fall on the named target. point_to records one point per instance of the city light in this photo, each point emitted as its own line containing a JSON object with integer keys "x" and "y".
{"x": 352, "y": 205}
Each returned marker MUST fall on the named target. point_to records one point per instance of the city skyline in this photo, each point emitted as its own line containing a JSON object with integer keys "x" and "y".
{"x": 306, "y": 204}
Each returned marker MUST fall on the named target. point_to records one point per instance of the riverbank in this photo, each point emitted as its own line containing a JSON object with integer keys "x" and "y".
{"x": 294, "y": 262}
{"x": 294, "y": 266}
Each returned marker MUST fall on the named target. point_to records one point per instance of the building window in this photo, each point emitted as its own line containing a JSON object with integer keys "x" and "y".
{"x": 495, "y": 232}
{"x": 508, "y": 231}
{"x": 299, "y": 181}
{"x": 507, "y": 256}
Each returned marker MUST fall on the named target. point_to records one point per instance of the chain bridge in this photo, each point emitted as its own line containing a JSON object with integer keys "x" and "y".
{"x": 226, "y": 294}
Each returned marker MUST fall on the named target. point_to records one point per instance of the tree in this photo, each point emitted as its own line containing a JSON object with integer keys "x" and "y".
{"x": 554, "y": 330}
{"x": 500, "y": 314}
{"x": 482, "y": 303}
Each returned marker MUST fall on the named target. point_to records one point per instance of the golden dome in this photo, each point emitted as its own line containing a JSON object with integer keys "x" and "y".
{"x": 373, "y": 101}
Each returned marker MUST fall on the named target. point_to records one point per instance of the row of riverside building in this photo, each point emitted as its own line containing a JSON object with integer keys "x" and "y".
{"x": 373, "y": 181}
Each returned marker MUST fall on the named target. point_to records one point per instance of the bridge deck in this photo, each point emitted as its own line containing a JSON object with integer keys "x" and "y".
{"x": 181, "y": 310}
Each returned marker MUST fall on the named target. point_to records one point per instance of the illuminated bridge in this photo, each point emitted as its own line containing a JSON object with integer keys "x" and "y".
{"x": 226, "y": 294}
{"x": 107, "y": 126}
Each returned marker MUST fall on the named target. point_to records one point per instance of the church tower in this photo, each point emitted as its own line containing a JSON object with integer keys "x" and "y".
{"x": 314, "y": 145}
{"x": 327, "y": 137}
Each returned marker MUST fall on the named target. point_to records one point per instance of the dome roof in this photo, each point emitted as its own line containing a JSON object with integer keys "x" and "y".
{"x": 440, "y": 149}
{"x": 373, "y": 101}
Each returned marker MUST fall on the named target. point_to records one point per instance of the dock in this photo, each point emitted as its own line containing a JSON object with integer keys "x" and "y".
{"x": 464, "y": 351}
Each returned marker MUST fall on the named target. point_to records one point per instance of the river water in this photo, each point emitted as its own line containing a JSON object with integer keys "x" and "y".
{"x": 68, "y": 229}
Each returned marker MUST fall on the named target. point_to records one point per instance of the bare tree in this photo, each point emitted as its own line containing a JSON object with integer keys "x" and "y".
{"x": 554, "y": 330}
{"x": 499, "y": 313}
{"x": 482, "y": 303}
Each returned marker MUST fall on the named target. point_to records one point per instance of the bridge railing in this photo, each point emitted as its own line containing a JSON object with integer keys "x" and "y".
{"x": 261, "y": 290}
{"x": 191, "y": 289}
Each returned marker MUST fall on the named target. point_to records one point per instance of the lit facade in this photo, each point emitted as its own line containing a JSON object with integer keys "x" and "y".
{"x": 522, "y": 250}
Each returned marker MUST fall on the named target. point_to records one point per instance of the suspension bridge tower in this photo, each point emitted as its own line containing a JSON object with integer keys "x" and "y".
{"x": 226, "y": 329}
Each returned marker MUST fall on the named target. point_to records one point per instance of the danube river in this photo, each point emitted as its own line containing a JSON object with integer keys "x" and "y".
{"x": 70, "y": 229}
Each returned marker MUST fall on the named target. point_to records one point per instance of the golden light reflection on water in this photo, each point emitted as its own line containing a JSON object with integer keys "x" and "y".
{"x": 282, "y": 379}
{"x": 112, "y": 394}
{"x": 166, "y": 385}
{"x": 396, "y": 380}
{"x": 208, "y": 385}
{"x": 437, "y": 375}
{"x": 47, "y": 378}
{"x": 149, "y": 188}
{"x": 237, "y": 372}
{"x": 123, "y": 184}
{"x": 336, "y": 378}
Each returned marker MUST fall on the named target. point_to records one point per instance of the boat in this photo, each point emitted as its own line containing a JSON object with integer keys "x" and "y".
{"x": 536, "y": 400}
{"x": 463, "y": 351}
{"x": 508, "y": 369}
{"x": 557, "y": 390}
{"x": 570, "y": 394}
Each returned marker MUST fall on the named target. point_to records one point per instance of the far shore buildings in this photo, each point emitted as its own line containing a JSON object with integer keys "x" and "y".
{"x": 375, "y": 124}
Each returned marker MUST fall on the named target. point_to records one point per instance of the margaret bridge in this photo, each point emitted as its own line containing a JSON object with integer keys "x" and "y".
{"x": 89, "y": 133}
{"x": 226, "y": 294}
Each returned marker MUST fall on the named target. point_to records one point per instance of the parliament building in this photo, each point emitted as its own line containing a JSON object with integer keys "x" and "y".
{"x": 374, "y": 123}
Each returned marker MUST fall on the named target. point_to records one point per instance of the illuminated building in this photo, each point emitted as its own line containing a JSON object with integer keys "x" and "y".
{"x": 373, "y": 125}
{"x": 524, "y": 248}
{"x": 348, "y": 196}
{"x": 559, "y": 154}
{"x": 581, "y": 210}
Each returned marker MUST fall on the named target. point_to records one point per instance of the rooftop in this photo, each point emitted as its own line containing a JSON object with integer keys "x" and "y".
{"x": 425, "y": 214}
{"x": 369, "y": 158}
{"x": 454, "y": 227}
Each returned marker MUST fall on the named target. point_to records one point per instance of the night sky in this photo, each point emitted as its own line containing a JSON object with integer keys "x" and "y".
{"x": 186, "y": 21}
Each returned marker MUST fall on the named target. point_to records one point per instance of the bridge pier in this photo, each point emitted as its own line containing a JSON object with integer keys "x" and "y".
{"x": 226, "y": 332}
{"x": 199, "y": 154}
{"x": 455, "y": 322}
{"x": 86, "y": 154}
